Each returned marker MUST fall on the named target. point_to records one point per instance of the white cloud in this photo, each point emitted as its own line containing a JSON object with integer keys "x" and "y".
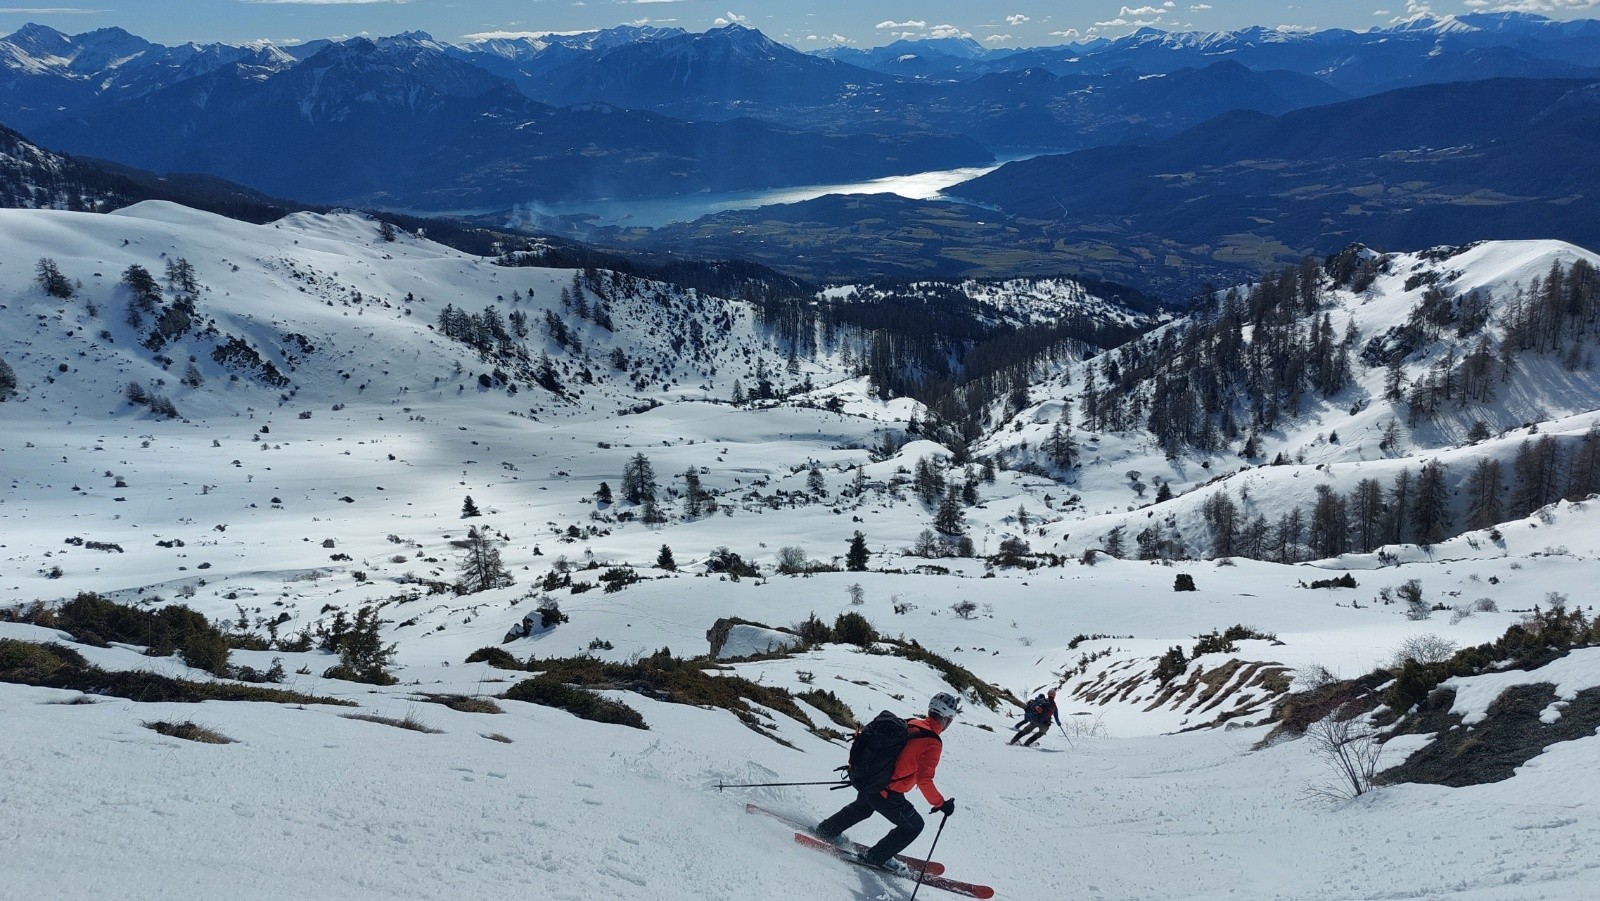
{"x": 1199, "y": 6}
{"x": 1128, "y": 23}
{"x": 1533, "y": 6}
{"x": 1069, "y": 33}
{"x": 911, "y": 24}
{"x": 1016, "y": 19}
{"x": 730, "y": 19}
{"x": 996, "y": 38}
{"x": 947, "y": 31}
{"x": 1141, "y": 11}
{"x": 1414, "y": 10}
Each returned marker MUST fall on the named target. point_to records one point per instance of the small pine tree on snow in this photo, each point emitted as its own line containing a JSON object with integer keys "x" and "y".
{"x": 469, "y": 509}
{"x": 853, "y": 628}
{"x": 1183, "y": 582}
{"x": 8, "y": 380}
{"x": 1164, "y": 493}
{"x": 638, "y": 480}
{"x": 363, "y": 657}
{"x": 480, "y": 564}
{"x": 949, "y": 518}
{"x": 651, "y": 513}
{"x": 602, "y": 495}
{"x": 1171, "y": 665}
{"x": 1113, "y": 543}
{"x": 665, "y": 561}
{"x": 51, "y": 280}
{"x": 814, "y": 481}
{"x": 855, "y": 558}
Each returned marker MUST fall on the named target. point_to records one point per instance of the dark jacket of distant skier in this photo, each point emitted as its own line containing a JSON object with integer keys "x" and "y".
{"x": 914, "y": 765}
{"x": 1036, "y": 717}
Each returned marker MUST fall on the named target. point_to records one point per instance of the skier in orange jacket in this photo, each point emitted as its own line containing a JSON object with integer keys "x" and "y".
{"x": 915, "y": 766}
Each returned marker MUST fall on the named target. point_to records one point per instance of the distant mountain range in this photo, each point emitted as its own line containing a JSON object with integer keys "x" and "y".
{"x": 1451, "y": 163}
{"x": 409, "y": 122}
{"x": 1423, "y": 51}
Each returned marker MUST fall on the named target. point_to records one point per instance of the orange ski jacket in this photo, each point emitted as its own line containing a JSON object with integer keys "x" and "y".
{"x": 917, "y": 762}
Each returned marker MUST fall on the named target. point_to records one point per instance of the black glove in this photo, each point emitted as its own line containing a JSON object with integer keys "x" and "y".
{"x": 947, "y": 808}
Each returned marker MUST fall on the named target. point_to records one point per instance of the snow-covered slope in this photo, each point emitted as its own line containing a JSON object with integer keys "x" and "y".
{"x": 344, "y": 485}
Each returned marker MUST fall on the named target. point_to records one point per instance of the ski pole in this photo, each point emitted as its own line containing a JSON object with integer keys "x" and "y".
{"x": 922, "y": 874}
{"x": 723, "y": 785}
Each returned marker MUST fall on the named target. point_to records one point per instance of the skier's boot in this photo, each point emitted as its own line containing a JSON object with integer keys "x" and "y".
{"x": 893, "y": 865}
{"x": 838, "y": 841}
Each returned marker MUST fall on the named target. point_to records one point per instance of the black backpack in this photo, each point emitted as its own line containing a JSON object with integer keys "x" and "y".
{"x": 877, "y": 747}
{"x": 1039, "y": 707}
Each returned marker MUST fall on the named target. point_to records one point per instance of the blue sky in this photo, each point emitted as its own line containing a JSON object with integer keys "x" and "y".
{"x": 806, "y": 24}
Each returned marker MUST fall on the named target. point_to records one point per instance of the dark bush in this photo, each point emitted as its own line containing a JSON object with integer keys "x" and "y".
{"x": 363, "y": 657}
{"x": 666, "y": 678}
{"x": 814, "y": 631}
{"x": 31, "y": 664}
{"x": 580, "y": 702}
{"x": 499, "y": 658}
{"x": 853, "y": 628}
{"x": 190, "y": 731}
{"x": 1171, "y": 665}
{"x": 97, "y": 621}
{"x": 829, "y": 703}
{"x": 1183, "y": 582}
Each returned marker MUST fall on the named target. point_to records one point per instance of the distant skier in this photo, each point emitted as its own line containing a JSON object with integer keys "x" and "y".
{"x": 1036, "y": 716}
{"x": 889, "y": 757}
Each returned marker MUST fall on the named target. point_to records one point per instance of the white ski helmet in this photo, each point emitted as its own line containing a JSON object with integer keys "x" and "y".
{"x": 944, "y": 705}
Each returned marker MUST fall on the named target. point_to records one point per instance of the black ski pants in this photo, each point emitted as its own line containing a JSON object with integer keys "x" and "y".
{"x": 894, "y": 807}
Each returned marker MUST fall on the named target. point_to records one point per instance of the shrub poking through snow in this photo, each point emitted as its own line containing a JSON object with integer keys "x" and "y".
{"x": 1183, "y": 582}
{"x": 189, "y": 730}
{"x": 1171, "y": 665}
{"x": 56, "y": 666}
{"x": 499, "y": 658}
{"x": 409, "y": 721}
{"x": 580, "y": 702}
{"x": 363, "y": 657}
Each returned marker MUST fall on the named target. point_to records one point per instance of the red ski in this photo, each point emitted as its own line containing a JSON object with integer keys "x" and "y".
{"x": 940, "y": 882}
{"x": 931, "y": 867}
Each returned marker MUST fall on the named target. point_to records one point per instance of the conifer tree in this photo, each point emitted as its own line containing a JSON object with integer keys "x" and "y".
{"x": 1583, "y": 470}
{"x": 1329, "y": 530}
{"x": 1112, "y": 544}
{"x": 1485, "y": 493}
{"x": 469, "y": 509}
{"x": 855, "y": 558}
{"x": 949, "y": 519}
{"x": 665, "y": 561}
{"x": 815, "y": 482}
{"x": 1399, "y": 508}
{"x": 1367, "y": 515}
{"x": 638, "y": 480}
{"x": 51, "y": 280}
{"x": 481, "y": 567}
{"x": 1537, "y": 469}
{"x": 1430, "y": 508}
